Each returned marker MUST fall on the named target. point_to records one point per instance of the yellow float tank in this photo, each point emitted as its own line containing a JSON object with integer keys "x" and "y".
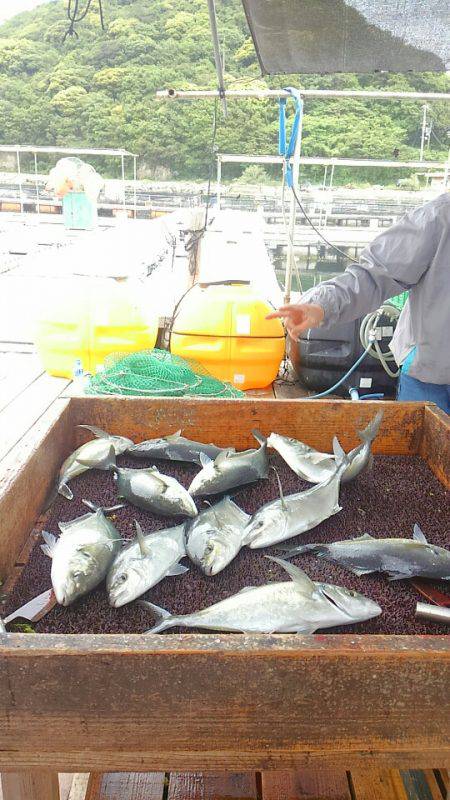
{"x": 89, "y": 318}
{"x": 224, "y": 327}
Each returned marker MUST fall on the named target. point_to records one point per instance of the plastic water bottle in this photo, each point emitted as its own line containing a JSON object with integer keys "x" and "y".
{"x": 78, "y": 375}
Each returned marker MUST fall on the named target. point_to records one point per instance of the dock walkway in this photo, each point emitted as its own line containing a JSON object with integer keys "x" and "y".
{"x": 27, "y": 393}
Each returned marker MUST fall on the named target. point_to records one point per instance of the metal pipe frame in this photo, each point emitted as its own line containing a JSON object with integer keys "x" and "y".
{"x": 176, "y": 94}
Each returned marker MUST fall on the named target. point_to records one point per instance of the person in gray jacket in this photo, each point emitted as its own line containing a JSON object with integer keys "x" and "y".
{"x": 413, "y": 255}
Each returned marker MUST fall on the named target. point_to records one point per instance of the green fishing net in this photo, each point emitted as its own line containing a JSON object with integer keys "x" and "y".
{"x": 400, "y": 300}
{"x": 157, "y": 373}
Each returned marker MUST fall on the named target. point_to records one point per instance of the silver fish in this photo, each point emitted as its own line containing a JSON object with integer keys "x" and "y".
{"x": 296, "y": 606}
{"x": 316, "y": 467}
{"x": 215, "y": 537}
{"x": 145, "y": 562}
{"x": 231, "y": 469}
{"x": 399, "y": 558}
{"x": 151, "y": 490}
{"x": 296, "y": 513}
{"x": 83, "y": 553}
{"x": 174, "y": 448}
{"x": 96, "y": 452}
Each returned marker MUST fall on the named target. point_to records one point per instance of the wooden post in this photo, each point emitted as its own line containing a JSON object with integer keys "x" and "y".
{"x": 30, "y": 786}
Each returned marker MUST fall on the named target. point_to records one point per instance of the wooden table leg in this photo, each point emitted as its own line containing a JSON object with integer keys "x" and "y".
{"x": 38, "y": 785}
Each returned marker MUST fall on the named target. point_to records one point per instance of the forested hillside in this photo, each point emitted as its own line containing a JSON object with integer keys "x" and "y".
{"x": 98, "y": 90}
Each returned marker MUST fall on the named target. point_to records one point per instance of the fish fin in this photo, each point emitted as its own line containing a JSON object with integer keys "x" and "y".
{"x": 259, "y": 437}
{"x": 296, "y": 574}
{"x": 340, "y": 456}
{"x": 397, "y": 576}
{"x": 369, "y": 433}
{"x": 280, "y": 489}
{"x": 65, "y": 490}
{"x": 360, "y": 572}
{"x": 50, "y": 543}
{"x": 96, "y": 431}
{"x": 143, "y": 547}
{"x": 419, "y": 535}
{"x": 173, "y": 437}
{"x": 177, "y": 569}
{"x": 162, "y": 616}
{"x": 298, "y": 550}
{"x": 106, "y": 463}
{"x": 362, "y": 537}
{"x": 306, "y": 629}
{"x": 205, "y": 460}
{"x": 105, "y": 509}
{"x": 245, "y": 589}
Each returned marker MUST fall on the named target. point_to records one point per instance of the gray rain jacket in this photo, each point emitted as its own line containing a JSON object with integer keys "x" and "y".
{"x": 412, "y": 255}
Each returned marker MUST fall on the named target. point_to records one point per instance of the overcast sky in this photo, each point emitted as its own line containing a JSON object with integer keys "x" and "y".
{"x": 9, "y": 8}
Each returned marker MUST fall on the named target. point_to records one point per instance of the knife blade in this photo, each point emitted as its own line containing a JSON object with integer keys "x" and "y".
{"x": 35, "y": 609}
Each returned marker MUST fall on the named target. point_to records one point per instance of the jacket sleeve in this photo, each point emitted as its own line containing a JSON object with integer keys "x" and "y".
{"x": 394, "y": 262}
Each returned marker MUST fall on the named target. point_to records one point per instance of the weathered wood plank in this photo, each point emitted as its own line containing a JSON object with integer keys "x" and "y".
{"x": 435, "y": 444}
{"x": 377, "y": 784}
{"x": 126, "y": 786}
{"x": 19, "y": 417}
{"x": 79, "y": 786}
{"x": 212, "y": 786}
{"x": 305, "y": 784}
{"x": 145, "y": 724}
{"x": 26, "y": 476}
{"x": 16, "y": 373}
{"x": 30, "y": 786}
{"x": 230, "y": 422}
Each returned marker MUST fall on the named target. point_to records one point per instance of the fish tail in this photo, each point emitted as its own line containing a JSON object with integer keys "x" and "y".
{"x": 298, "y": 550}
{"x": 50, "y": 542}
{"x": 65, "y": 490}
{"x": 98, "y": 432}
{"x": 369, "y": 433}
{"x": 341, "y": 458}
{"x": 259, "y": 437}
{"x": 164, "y": 618}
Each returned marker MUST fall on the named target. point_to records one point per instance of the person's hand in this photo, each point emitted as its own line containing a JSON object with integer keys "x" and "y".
{"x": 299, "y": 318}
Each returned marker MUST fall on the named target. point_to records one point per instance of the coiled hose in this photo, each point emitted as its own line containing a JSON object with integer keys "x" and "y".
{"x": 368, "y": 339}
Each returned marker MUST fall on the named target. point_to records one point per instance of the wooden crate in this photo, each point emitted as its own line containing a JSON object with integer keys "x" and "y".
{"x": 217, "y": 702}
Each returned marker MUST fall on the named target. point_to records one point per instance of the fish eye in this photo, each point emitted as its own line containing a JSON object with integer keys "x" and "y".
{"x": 208, "y": 549}
{"x": 122, "y": 578}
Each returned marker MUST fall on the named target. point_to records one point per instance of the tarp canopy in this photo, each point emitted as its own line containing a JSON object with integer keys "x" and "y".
{"x": 353, "y": 36}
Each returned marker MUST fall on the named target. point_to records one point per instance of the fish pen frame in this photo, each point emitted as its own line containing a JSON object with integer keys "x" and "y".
{"x": 187, "y": 702}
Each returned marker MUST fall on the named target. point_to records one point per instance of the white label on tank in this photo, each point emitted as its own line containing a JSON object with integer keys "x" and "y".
{"x": 242, "y": 324}
{"x": 238, "y": 378}
{"x": 365, "y": 383}
{"x": 378, "y": 333}
{"x": 388, "y": 330}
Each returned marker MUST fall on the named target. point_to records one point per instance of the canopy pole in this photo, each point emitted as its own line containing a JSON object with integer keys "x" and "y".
{"x": 36, "y": 183}
{"x": 123, "y": 183}
{"x": 175, "y": 94}
{"x": 217, "y": 55}
{"x": 290, "y": 261}
{"x": 135, "y": 179}
{"x": 19, "y": 175}
{"x": 219, "y": 182}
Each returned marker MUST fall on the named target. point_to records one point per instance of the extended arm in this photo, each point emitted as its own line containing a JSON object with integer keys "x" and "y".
{"x": 394, "y": 262}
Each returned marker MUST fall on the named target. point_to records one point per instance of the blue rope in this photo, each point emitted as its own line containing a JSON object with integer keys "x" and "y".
{"x": 285, "y": 149}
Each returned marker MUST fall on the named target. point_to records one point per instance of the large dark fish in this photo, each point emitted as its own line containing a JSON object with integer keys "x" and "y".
{"x": 399, "y": 558}
{"x": 83, "y": 553}
{"x": 231, "y": 469}
{"x": 316, "y": 467}
{"x": 174, "y": 448}
{"x": 215, "y": 536}
{"x": 297, "y": 513}
{"x": 296, "y": 606}
{"x": 96, "y": 452}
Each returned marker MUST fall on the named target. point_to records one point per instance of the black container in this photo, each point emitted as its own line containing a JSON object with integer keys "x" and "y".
{"x": 321, "y": 357}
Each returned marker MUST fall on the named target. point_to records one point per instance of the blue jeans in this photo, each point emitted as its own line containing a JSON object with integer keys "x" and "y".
{"x": 412, "y": 389}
